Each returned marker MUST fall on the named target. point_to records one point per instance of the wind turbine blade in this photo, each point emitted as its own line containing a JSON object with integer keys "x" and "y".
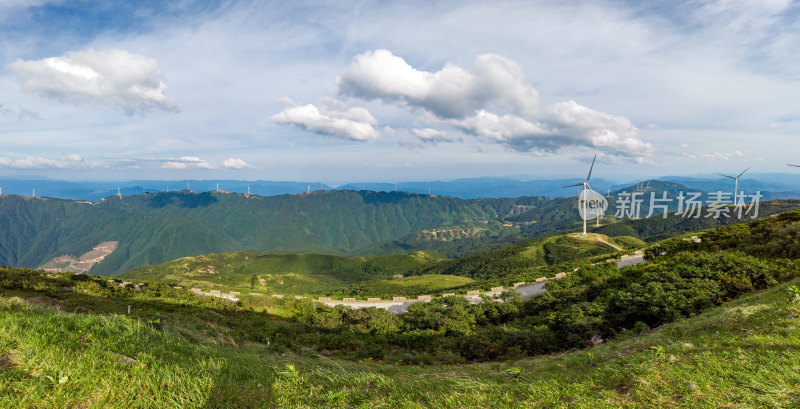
{"x": 732, "y": 177}
{"x": 797, "y": 166}
{"x": 577, "y": 184}
{"x": 590, "y": 168}
{"x": 743, "y": 172}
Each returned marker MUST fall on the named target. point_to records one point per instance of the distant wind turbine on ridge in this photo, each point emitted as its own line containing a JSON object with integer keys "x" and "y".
{"x": 735, "y": 185}
{"x": 584, "y": 196}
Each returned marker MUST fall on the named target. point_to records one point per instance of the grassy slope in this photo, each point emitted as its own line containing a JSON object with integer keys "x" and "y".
{"x": 282, "y": 273}
{"x": 742, "y": 354}
{"x": 368, "y": 276}
{"x": 527, "y": 257}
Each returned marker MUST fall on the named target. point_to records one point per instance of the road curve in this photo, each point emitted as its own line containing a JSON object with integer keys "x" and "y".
{"x": 637, "y": 259}
{"x": 526, "y": 291}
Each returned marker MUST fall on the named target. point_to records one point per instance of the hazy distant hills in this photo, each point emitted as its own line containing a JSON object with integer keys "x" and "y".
{"x": 774, "y": 186}
{"x": 473, "y": 188}
{"x": 96, "y": 190}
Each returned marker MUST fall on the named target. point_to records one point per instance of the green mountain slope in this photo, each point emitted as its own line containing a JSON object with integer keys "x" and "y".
{"x": 155, "y": 228}
{"x": 524, "y": 257}
{"x": 276, "y": 273}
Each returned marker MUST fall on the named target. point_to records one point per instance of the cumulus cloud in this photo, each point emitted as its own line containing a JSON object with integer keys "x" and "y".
{"x": 111, "y": 77}
{"x": 234, "y": 163}
{"x": 331, "y": 118}
{"x": 493, "y": 100}
{"x": 452, "y": 92}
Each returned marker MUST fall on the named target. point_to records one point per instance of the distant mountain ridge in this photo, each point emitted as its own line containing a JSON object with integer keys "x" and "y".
{"x": 772, "y": 185}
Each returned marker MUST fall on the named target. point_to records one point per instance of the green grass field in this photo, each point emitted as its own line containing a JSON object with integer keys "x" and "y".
{"x": 744, "y": 354}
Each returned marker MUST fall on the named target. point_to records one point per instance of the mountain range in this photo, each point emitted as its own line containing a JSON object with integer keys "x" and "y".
{"x": 773, "y": 185}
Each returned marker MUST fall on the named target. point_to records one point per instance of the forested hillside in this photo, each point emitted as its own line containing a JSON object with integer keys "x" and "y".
{"x": 157, "y": 227}
{"x": 154, "y": 228}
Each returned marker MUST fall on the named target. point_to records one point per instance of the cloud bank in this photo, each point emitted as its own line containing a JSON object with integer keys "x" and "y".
{"x": 112, "y": 77}
{"x": 37, "y": 162}
{"x": 492, "y": 100}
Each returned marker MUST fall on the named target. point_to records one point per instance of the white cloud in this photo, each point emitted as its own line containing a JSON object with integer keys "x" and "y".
{"x": 187, "y": 162}
{"x": 493, "y": 100}
{"x": 332, "y": 119}
{"x": 452, "y": 92}
{"x": 38, "y": 162}
{"x": 234, "y": 163}
{"x": 110, "y": 77}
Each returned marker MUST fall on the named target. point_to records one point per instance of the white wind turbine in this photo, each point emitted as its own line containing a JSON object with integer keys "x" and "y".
{"x": 735, "y": 185}
{"x": 583, "y": 198}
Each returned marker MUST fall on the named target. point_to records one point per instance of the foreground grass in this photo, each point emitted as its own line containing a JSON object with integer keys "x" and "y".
{"x": 743, "y": 354}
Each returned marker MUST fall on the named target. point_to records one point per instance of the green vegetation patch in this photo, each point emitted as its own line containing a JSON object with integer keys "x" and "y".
{"x": 404, "y": 286}
{"x": 278, "y": 273}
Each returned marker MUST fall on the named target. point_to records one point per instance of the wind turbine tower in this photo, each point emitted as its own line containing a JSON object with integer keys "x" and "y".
{"x": 583, "y": 197}
{"x": 735, "y": 185}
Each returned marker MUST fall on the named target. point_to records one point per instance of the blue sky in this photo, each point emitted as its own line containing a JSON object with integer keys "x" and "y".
{"x": 338, "y": 91}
